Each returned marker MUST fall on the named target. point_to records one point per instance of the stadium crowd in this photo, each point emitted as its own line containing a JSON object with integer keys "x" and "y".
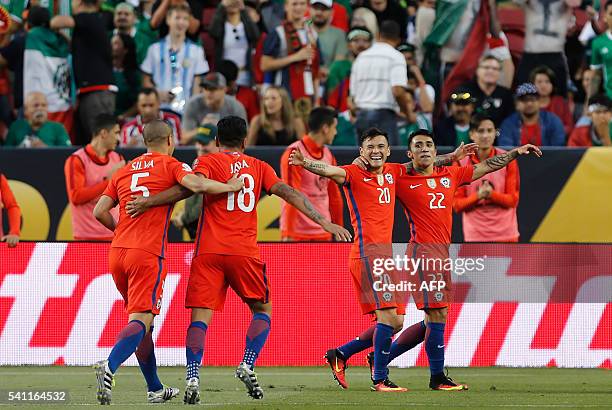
{"x": 538, "y": 68}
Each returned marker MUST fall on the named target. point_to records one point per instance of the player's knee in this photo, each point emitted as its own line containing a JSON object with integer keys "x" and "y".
{"x": 437, "y": 315}
{"x": 259, "y": 307}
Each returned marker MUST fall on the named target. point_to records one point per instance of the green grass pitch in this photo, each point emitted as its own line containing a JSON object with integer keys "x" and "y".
{"x": 313, "y": 387}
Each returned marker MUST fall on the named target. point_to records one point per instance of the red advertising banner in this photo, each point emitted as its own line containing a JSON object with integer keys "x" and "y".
{"x": 531, "y": 305}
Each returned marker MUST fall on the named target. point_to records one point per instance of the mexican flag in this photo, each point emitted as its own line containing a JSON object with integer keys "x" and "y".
{"x": 48, "y": 70}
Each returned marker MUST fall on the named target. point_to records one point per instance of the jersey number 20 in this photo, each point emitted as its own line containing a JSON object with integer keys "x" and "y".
{"x": 244, "y": 204}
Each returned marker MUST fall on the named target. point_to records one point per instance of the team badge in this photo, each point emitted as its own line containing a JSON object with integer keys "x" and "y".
{"x": 445, "y": 182}
{"x": 387, "y": 296}
{"x": 389, "y": 178}
{"x": 431, "y": 183}
{"x": 381, "y": 179}
{"x": 439, "y": 296}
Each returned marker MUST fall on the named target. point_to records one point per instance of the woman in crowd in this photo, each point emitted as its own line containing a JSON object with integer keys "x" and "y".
{"x": 126, "y": 74}
{"x": 544, "y": 79}
{"x": 488, "y": 206}
{"x": 277, "y": 123}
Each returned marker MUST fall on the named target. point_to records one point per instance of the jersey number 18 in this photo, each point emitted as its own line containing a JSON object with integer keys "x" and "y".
{"x": 244, "y": 204}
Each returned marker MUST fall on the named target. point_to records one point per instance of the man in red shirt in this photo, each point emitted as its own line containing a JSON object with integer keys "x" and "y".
{"x": 226, "y": 250}
{"x": 427, "y": 195}
{"x": 136, "y": 258}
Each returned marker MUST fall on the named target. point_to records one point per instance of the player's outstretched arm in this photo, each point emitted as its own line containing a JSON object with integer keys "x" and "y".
{"x": 458, "y": 154}
{"x": 102, "y": 212}
{"x": 298, "y": 200}
{"x": 139, "y": 204}
{"x": 499, "y": 161}
{"x": 336, "y": 174}
{"x": 199, "y": 184}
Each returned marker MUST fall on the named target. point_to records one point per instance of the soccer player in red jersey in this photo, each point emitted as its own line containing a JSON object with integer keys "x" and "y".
{"x": 371, "y": 197}
{"x": 427, "y": 193}
{"x": 136, "y": 257}
{"x": 226, "y": 251}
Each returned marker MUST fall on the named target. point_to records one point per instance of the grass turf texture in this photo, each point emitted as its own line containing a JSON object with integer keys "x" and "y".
{"x": 313, "y": 387}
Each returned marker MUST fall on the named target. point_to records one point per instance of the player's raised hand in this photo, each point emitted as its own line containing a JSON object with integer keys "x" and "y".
{"x": 465, "y": 150}
{"x": 235, "y": 183}
{"x": 528, "y": 149}
{"x": 340, "y": 234}
{"x": 362, "y": 162}
{"x": 137, "y": 206}
{"x": 296, "y": 158}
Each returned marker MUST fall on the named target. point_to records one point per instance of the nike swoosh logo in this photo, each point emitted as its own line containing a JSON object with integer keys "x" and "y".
{"x": 337, "y": 368}
{"x": 367, "y": 179}
{"x": 415, "y": 186}
{"x": 440, "y": 347}
{"x": 383, "y": 352}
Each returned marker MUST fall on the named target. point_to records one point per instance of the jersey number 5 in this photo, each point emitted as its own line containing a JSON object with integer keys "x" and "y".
{"x": 436, "y": 196}
{"x": 134, "y": 187}
{"x": 244, "y": 204}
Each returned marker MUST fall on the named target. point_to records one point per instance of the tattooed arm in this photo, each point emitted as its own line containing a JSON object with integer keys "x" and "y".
{"x": 499, "y": 161}
{"x": 299, "y": 201}
{"x": 458, "y": 154}
{"x": 336, "y": 174}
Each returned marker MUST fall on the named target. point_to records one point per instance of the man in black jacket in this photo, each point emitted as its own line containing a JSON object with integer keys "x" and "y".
{"x": 454, "y": 129}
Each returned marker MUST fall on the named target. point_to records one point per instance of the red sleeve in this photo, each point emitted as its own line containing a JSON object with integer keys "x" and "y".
{"x": 350, "y": 173}
{"x": 268, "y": 176}
{"x": 12, "y": 208}
{"x": 463, "y": 175}
{"x": 509, "y": 198}
{"x": 178, "y": 170}
{"x": 202, "y": 166}
{"x": 78, "y": 193}
{"x": 336, "y": 204}
{"x": 111, "y": 188}
{"x": 464, "y": 202}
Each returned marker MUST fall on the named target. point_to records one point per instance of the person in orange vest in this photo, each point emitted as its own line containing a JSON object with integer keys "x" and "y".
{"x": 324, "y": 195}
{"x": 87, "y": 172}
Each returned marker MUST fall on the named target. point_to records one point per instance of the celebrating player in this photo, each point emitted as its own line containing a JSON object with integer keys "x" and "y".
{"x": 427, "y": 193}
{"x": 136, "y": 258}
{"x": 371, "y": 196}
{"x": 226, "y": 251}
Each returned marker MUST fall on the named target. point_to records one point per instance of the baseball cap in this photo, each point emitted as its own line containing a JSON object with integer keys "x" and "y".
{"x": 356, "y": 32}
{"x": 206, "y": 133}
{"x": 599, "y": 103}
{"x": 462, "y": 96}
{"x": 525, "y": 89}
{"x": 214, "y": 80}
{"x": 326, "y": 3}
{"x": 406, "y": 48}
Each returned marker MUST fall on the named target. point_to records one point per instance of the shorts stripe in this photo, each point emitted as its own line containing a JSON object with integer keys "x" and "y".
{"x": 200, "y": 225}
{"x": 421, "y": 277}
{"x": 159, "y": 263}
{"x": 371, "y": 280}
{"x": 265, "y": 278}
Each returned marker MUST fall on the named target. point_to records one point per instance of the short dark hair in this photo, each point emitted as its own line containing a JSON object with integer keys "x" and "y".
{"x": 90, "y": 2}
{"x": 183, "y": 6}
{"x": 478, "y": 119}
{"x": 488, "y": 57}
{"x": 390, "y": 30}
{"x": 371, "y": 133}
{"x": 149, "y": 91}
{"x": 155, "y": 131}
{"x": 600, "y": 99}
{"x": 229, "y": 69}
{"x": 418, "y": 132}
{"x": 231, "y": 131}
{"x": 38, "y": 17}
{"x": 321, "y": 116}
{"x": 542, "y": 69}
{"x": 103, "y": 121}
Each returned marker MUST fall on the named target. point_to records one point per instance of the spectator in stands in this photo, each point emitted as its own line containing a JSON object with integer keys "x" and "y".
{"x": 13, "y": 212}
{"x": 126, "y": 74}
{"x": 364, "y": 17}
{"x": 91, "y": 62}
{"x": 174, "y": 65}
{"x": 291, "y": 59}
{"x": 272, "y": 14}
{"x": 546, "y": 24}
{"x": 87, "y": 173}
{"x": 188, "y": 217}
{"x": 126, "y": 22}
{"x": 544, "y": 80}
{"x": 390, "y": 10}
{"x": 35, "y": 130}
{"x": 454, "y": 129}
{"x": 529, "y": 124}
{"x": 424, "y": 21}
{"x": 601, "y": 62}
{"x": 337, "y": 85}
{"x": 246, "y": 95}
{"x": 276, "y": 124}
{"x": 161, "y": 10}
{"x": 213, "y": 102}
{"x": 235, "y": 36}
{"x": 378, "y": 83}
{"x": 332, "y": 41}
{"x": 594, "y": 132}
{"x": 148, "y": 109}
{"x": 254, "y": 11}
{"x": 415, "y": 120}
{"x": 322, "y": 193}
{"x": 488, "y": 206}
{"x": 425, "y": 94}
{"x": 492, "y": 99}
{"x": 45, "y": 67}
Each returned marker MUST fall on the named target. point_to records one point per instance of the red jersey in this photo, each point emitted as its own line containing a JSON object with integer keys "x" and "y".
{"x": 371, "y": 202}
{"x": 428, "y": 202}
{"x": 228, "y": 223}
{"x": 146, "y": 175}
